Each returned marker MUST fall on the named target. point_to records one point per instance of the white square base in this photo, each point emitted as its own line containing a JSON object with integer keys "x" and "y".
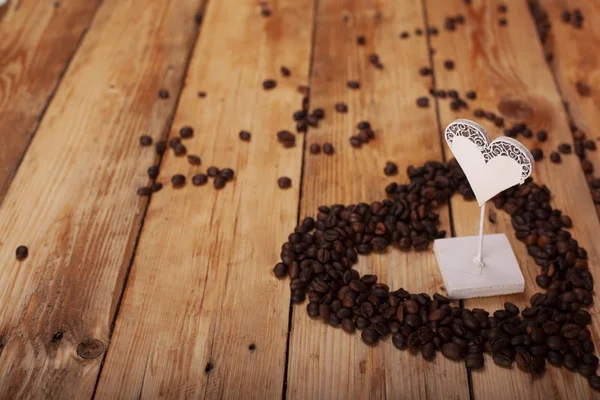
{"x": 500, "y": 275}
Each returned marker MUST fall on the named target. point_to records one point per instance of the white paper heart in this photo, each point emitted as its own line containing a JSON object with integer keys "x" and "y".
{"x": 489, "y": 167}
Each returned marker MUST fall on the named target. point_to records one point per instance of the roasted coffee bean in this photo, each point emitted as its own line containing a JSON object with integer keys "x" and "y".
{"x": 390, "y": 169}
{"x": 186, "y": 132}
{"x": 156, "y": 187}
{"x": 423, "y": 102}
{"x": 583, "y": 89}
{"x": 428, "y": 351}
{"x": 163, "y": 94}
{"x": 399, "y": 341}
{"x": 280, "y": 270}
{"x": 199, "y": 179}
{"x": 502, "y": 360}
{"x": 348, "y": 325}
{"x": 471, "y": 95}
{"x": 369, "y": 336}
{"x": 564, "y": 148}
{"x": 424, "y": 71}
{"x": 194, "y": 160}
{"x": 512, "y": 309}
{"x": 269, "y": 84}
{"x": 474, "y": 361}
{"x": 353, "y": 84}
{"x": 285, "y": 71}
{"x": 452, "y": 351}
{"x": 245, "y": 136}
{"x": 160, "y": 148}
{"x": 341, "y": 107}
{"x": 145, "y": 140}
{"x": 144, "y": 191}
{"x": 537, "y": 154}
{"x": 219, "y": 182}
{"x": 312, "y": 308}
{"x": 315, "y": 148}
{"x": 153, "y": 172}
{"x": 542, "y": 136}
{"x": 555, "y": 157}
{"x": 178, "y": 180}
{"x": 502, "y": 22}
{"x": 180, "y": 149}
{"x": 449, "y": 64}
{"x": 227, "y": 174}
{"x": 328, "y": 148}
{"x": 212, "y": 171}
{"x": 21, "y": 253}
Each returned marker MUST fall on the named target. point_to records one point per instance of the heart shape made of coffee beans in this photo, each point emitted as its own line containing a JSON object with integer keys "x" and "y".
{"x": 319, "y": 256}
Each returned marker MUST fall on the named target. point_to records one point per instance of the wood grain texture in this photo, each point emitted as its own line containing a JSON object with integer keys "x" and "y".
{"x": 201, "y": 289}
{"x": 502, "y": 64}
{"x": 325, "y": 362}
{"x": 576, "y": 58}
{"x": 73, "y": 201}
{"x": 38, "y": 40}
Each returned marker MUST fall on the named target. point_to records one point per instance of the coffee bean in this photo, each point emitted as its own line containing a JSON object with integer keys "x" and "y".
{"x": 479, "y": 113}
{"x": 471, "y": 95}
{"x": 564, "y": 148}
{"x": 227, "y": 174}
{"x": 199, "y": 179}
{"x": 328, "y": 148}
{"x": 319, "y": 113}
{"x": 537, "y": 154}
{"x": 418, "y": 31}
{"x": 194, "y": 160}
{"x": 502, "y": 22}
{"x": 219, "y": 182}
{"x": 399, "y": 341}
{"x": 542, "y": 136}
{"x": 404, "y": 35}
{"x": 511, "y": 308}
{"x": 163, "y": 94}
{"x": 179, "y": 149}
{"x": 361, "y": 40}
{"x": 555, "y": 157}
{"x": 390, "y": 169}
{"x": 315, "y": 148}
{"x": 474, "y": 361}
{"x": 353, "y": 84}
{"x": 22, "y": 252}
{"x": 502, "y": 8}
{"x": 202, "y": 94}
{"x": 428, "y": 351}
{"x": 369, "y": 336}
{"x": 284, "y": 182}
{"x": 280, "y": 270}
{"x": 285, "y": 71}
{"x": 160, "y": 147}
{"x": 178, "y": 180}
{"x": 144, "y": 191}
{"x": 153, "y": 172}
{"x": 565, "y": 17}
{"x": 269, "y": 84}
{"x": 424, "y": 71}
{"x": 589, "y": 144}
{"x": 245, "y": 136}
{"x": 452, "y": 351}
{"x": 449, "y": 64}
{"x": 212, "y": 171}
{"x": 583, "y": 89}
{"x": 156, "y": 187}
{"x": 186, "y": 132}
{"x": 594, "y": 382}
{"x": 423, "y": 102}
{"x": 341, "y": 107}
{"x": 145, "y": 140}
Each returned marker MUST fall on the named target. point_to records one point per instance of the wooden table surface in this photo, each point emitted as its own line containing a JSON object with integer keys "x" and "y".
{"x": 172, "y": 296}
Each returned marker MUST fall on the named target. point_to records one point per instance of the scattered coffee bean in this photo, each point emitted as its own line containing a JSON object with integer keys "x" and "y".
{"x": 449, "y": 64}
{"x": 22, "y": 252}
{"x": 564, "y": 148}
{"x": 502, "y": 22}
{"x": 157, "y": 186}
{"x": 163, "y": 94}
{"x": 423, "y": 102}
{"x": 542, "y": 136}
{"x": 227, "y": 174}
{"x": 315, "y": 148}
{"x": 537, "y": 154}
{"x": 353, "y": 84}
{"x": 180, "y": 149}
{"x": 198, "y": 17}
{"x": 265, "y": 12}
{"x": 219, "y": 182}
{"x": 285, "y": 71}
{"x": 202, "y": 94}
{"x": 153, "y": 172}
{"x": 471, "y": 95}
{"x": 424, "y": 71}
{"x": 194, "y": 160}
{"x": 583, "y": 89}
{"x": 160, "y": 147}
{"x": 404, "y": 35}
{"x": 390, "y": 169}
{"x": 284, "y": 182}
{"x": 212, "y": 171}
{"x": 144, "y": 191}
{"x": 269, "y": 84}
{"x": 555, "y": 157}
{"x": 341, "y": 107}
{"x": 199, "y": 179}
{"x": 245, "y": 136}
{"x": 479, "y": 113}
{"x": 186, "y": 132}
{"x": 174, "y": 142}
{"x": 178, "y": 180}
{"x": 145, "y": 140}
{"x": 502, "y": 8}
{"x": 361, "y": 40}
{"x": 328, "y": 148}
{"x": 418, "y": 31}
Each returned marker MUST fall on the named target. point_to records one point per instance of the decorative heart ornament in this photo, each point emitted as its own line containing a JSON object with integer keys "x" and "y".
{"x": 489, "y": 167}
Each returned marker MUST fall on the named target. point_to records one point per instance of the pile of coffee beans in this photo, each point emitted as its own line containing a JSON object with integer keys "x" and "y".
{"x": 319, "y": 257}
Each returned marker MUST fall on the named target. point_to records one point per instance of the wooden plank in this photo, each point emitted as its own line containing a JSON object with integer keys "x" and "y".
{"x": 201, "y": 289}
{"x": 576, "y": 58}
{"x": 73, "y": 201}
{"x": 38, "y": 40}
{"x": 498, "y": 63}
{"x": 325, "y": 362}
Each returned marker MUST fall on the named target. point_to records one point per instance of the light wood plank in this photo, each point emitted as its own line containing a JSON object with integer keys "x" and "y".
{"x": 326, "y": 362}
{"x": 38, "y": 40}
{"x": 506, "y": 63}
{"x": 576, "y": 58}
{"x": 73, "y": 201}
{"x": 201, "y": 288}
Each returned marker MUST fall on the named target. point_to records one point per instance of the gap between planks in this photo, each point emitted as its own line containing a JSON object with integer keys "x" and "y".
{"x": 165, "y": 135}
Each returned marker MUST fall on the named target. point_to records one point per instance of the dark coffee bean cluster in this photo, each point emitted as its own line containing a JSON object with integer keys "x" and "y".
{"x": 320, "y": 253}
{"x": 450, "y": 23}
{"x": 456, "y": 102}
{"x": 305, "y": 119}
{"x": 490, "y": 116}
{"x": 375, "y": 61}
{"x": 365, "y": 134}
{"x": 574, "y": 18}
{"x": 520, "y": 128}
